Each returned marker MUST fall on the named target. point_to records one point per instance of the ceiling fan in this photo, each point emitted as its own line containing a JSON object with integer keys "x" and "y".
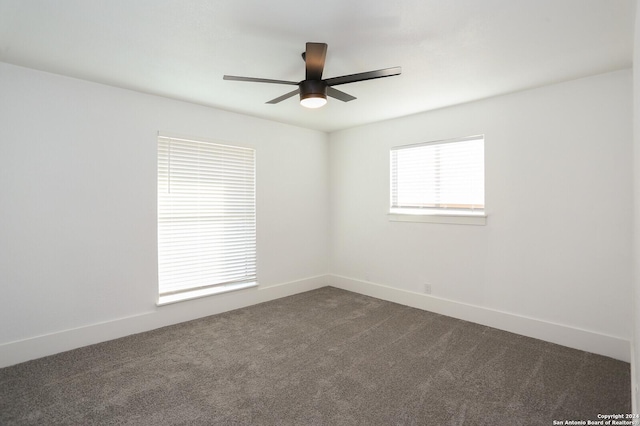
{"x": 313, "y": 89}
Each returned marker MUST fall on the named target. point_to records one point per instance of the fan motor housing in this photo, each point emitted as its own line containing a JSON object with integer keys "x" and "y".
{"x": 313, "y": 89}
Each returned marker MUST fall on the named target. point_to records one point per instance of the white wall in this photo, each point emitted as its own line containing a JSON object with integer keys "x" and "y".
{"x": 77, "y": 210}
{"x": 635, "y": 362}
{"x": 556, "y": 247}
{"x": 78, "y": 206}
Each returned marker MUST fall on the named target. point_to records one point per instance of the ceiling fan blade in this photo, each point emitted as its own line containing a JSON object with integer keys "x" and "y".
{"x": 258, "y": 80}
{"x": 283, "y": 97}
{"x": 387, "y": 72}
{"x": 335, "y": 93}
{"x": 314, "y": 58}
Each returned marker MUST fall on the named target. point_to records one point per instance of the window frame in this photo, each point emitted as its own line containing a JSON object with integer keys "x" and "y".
{"x": 461, "y": 216}
{"x": 198, "y": 291}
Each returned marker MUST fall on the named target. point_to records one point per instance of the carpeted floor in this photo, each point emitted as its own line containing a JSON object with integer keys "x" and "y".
{"x": 325, "y": 357}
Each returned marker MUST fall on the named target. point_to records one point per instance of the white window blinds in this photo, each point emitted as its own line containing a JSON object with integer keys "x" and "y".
{"x": 206, "y": 215}
{"x": 438, "y": 176}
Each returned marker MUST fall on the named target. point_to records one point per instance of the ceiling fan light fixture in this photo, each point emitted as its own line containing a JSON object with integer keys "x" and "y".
{"x": 313, "y": 93}
{"x": 313, "y": 101}
{"x": 313, "y": 90}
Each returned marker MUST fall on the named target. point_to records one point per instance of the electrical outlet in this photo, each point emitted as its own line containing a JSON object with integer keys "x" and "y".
{"x": 427, "y": 288}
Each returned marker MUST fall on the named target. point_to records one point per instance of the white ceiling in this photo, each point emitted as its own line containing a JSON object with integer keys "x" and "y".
{"x": 451, "y": 51}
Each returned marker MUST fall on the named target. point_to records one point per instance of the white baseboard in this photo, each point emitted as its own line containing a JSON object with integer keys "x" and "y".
{"x": 36, "y": 347}
{"x": 635, "y": 405}
{"x": 602, "y": 344}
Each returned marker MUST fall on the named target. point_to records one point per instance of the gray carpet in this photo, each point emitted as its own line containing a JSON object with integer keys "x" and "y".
{"x": 325, "y": 357}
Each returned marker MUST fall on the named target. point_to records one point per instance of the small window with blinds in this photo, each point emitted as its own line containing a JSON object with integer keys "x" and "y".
{"x": 206, "y": 218}
{"x": 443, "y": 178}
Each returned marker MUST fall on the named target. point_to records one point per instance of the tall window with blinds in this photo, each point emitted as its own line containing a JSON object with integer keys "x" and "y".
{"x": 444, "y": 177}
{"x": 206, "y": 218}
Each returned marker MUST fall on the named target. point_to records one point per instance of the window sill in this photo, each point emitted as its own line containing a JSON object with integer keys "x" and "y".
{"x": 457, "y": 218}
{"x": 168, "y": 299}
